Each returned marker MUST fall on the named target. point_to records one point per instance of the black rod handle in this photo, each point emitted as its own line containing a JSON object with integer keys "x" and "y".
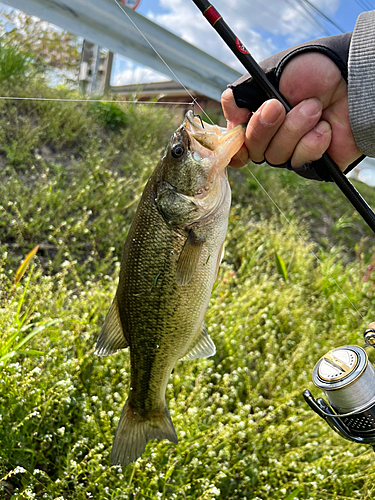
{"x": 249, "y": 63}
{"x": 240, "y": 51}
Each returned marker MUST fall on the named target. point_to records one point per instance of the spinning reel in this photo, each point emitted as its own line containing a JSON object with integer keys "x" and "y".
{"x": 347, "y": 378}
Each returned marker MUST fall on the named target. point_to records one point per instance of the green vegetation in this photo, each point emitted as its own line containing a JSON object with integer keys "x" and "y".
{"x": 69, "y": 182}
{"x": 49, "y": 50}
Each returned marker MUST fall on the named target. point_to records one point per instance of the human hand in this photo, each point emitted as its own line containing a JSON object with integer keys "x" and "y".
{"x": 319, "y": 121}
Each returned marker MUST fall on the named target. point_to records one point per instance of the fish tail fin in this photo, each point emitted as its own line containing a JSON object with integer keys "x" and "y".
{"x": 134, "y": 432}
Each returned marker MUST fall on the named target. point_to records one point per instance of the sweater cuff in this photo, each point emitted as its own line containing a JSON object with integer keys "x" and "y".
{"x": 361, "y": 83}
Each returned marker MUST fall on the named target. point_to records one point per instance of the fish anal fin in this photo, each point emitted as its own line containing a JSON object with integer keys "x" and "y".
{"x": 189, "y": 257}
{"x": 134, "y": 432}
{"x": 112, "y": 336}
{"x": 201, "y": 347}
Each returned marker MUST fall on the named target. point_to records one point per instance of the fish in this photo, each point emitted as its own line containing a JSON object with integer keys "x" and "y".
{"x": 168, "y": 267}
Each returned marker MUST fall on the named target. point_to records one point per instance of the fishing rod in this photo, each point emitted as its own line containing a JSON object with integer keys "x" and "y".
{"x": 249, "y": 63}
{"x": 345, "y": 374}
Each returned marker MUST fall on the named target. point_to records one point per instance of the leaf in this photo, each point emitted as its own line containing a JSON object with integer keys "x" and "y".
{"x": 281, "y": 267}
{"x": 35, "y": 332}
{"x": 5, "y": 352}
{"x": 22, "y": 269}
{"x": 30, "y": 352}
{"x": 294, "y": 493}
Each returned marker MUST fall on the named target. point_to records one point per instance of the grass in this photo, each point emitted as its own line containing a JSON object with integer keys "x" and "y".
{"x": 69, "y": 182}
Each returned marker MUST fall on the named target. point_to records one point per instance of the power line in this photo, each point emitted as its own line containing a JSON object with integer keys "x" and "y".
{"x": 364, "y": 4}
{"x": 303, "y": 13}
{"x": 311, "y": 17}
{"x": 320, "y": 12}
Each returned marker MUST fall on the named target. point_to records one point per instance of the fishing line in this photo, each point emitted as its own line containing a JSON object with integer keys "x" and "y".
{"x": 224, "y": 31}
{"x": 162, "y": 60}
{"x": 303, "y": 241}
{"x": 264, "y": 190}
{"x": 9, "y": 98}
{"x": 194, "y": 102}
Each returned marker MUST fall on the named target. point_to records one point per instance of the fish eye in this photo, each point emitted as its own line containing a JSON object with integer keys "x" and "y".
{"x": 177, "y": 151}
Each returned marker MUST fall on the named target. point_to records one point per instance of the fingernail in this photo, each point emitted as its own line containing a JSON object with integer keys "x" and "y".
{"x": 311, "y": 107}
{"x": 322, "y": 128}
{"x": 227, "y": 94}
{"x": 270, "y": 112}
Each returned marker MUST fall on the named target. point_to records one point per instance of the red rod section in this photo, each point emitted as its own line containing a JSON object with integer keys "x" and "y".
{"x": 212, "y": 15}
{"x": 240, "y": 51}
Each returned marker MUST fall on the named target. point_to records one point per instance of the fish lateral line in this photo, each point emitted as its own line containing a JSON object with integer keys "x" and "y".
{"x": 163, "y": 290}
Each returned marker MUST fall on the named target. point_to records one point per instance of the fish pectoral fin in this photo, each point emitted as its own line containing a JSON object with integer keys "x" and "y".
{"x": 189, "y": 257}
{"x": 112, "y": 336}
{"x": 202, "y": 346}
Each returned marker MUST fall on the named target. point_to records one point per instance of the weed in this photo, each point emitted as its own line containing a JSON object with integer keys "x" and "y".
{"x": 110, "y": 114}
{"x": 15, "y": 65}
{"x": 244, "y": 430}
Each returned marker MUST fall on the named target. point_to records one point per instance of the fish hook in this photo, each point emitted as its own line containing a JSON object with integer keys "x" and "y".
{"x": 198, "y": 116}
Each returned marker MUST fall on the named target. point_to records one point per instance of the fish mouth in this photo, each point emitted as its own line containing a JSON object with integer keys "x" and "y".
{"x": 216, "y": 144}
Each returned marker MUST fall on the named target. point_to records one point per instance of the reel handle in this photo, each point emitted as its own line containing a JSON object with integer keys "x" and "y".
{"x": 369, "y": 337}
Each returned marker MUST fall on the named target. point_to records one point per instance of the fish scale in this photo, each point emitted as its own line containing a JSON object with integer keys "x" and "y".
{"x": 168, "y": 268}
{"x": 172, "y": 320}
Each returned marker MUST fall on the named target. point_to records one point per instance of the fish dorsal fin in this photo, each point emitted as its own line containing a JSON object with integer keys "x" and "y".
{"x": 112, "y": 336}
{"x": 202, "y": 346}
{"x": 189, "y": 257}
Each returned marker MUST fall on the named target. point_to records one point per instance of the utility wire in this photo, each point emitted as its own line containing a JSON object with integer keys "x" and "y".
{"x": 364, "y": 5}
{"x": 265, "y": 191}
{"x": 320, "y": 12}
{"x": 308, "y": 15}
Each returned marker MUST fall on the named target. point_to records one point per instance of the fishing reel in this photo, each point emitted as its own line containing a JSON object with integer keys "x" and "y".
{"x": 347, "y": 378}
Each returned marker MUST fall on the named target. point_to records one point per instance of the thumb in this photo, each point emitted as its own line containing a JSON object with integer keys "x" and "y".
{"x": 232, "y": 113}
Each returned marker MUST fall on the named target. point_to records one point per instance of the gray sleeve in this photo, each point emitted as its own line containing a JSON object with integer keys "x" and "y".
{"x": 361, "y": 83}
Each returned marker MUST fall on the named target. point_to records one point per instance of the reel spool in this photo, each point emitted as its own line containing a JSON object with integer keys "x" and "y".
{"x": 347, "y": 378}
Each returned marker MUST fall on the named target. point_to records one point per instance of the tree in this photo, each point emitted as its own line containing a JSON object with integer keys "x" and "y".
{"x": 51, "y": 50}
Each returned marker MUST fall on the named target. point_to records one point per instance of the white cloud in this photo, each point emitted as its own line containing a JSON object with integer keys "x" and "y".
{"x": 255, "y": 22}
{"x": 185, "y": 20}
{"x": 264, "y": 27}
{"x": 365, "y": 172}
{"x": 127, "y": 72}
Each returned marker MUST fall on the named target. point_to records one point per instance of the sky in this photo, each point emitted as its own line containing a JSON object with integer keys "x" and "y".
{"x": 264, "y": 26}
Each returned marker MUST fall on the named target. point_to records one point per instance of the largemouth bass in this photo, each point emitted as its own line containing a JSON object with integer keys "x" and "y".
{"x": 169, "y": 264}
